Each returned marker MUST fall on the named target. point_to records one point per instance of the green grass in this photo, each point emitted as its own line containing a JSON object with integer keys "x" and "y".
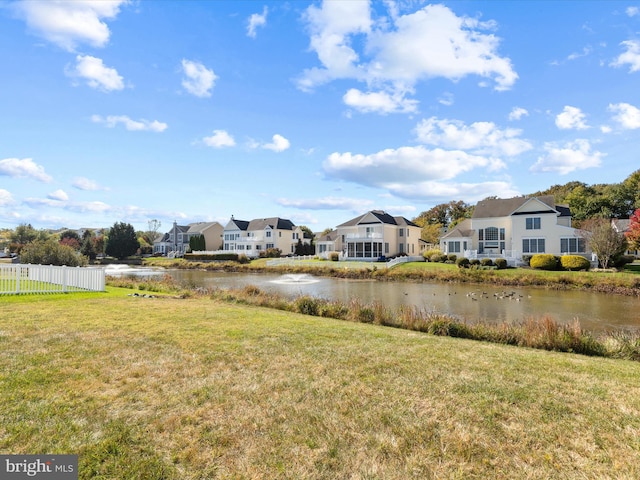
{"x": 170, "y": 388}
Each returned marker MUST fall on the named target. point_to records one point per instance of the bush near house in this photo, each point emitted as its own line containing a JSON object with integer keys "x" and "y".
{"x": 544, "y": 261}
{"x": 501, "y": 263}
{"x": 437, "y": 258}
{"x": 462, "y": 262}
{"x": 486, "y": 262}
{"x": 574, "y": 263}
{"x": 334, "y": 256}
{"x": 428, "y": 253}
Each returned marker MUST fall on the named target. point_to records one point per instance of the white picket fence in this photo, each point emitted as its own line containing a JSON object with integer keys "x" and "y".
{"x": 22, "y": 279}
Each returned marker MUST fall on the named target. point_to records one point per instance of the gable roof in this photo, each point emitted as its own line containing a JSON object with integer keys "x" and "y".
{"x": 463, "y": 229}
{"x": 504, "y": 207}
{"x": 328, "y": 237}
{"x": 276, "y": 223}
{"x": 377, "y": 216}
{"x": 200, "y": 227}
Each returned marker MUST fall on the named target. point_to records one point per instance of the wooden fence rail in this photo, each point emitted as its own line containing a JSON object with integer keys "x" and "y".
{"x": 23, "y": 279}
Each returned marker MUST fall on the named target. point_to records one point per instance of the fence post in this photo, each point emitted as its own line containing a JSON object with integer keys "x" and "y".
{"x": 18, "y": 278}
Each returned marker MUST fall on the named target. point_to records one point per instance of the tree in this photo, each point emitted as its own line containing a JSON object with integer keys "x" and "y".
{"x": 153, "y": 232}
{"x": 51, "y": 252}
{"x": 197, "y": 243}
{"x": 122, "y": 241}
{"x": 24, "y": 233}
{"x": 603, "y": 240}
{"x": 71, "y": 239}
{"x": 633, "y": 235}
{"x": 88, "y": 247}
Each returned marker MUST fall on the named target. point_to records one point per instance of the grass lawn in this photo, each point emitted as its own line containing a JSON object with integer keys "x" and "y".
{"x": 167, "y": 388}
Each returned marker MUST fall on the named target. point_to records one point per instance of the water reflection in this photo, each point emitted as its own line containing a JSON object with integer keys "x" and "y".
{"x": 595, "y": 311}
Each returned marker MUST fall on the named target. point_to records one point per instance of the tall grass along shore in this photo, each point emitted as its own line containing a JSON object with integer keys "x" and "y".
{"x": 179, "y": 386}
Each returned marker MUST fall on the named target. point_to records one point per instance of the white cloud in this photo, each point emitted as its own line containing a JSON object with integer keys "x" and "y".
{"x": 58, "y": 195}
{"x": 517, "y": 113}
{"x": 131, "y": 125}
{"x": 381, "y": 102}
{"x": 256, "y": 20}
{"x": 438, "y": 192}
{"x": 632, "y": 11}
{"x": 626, "y": 115}
{"x": 199, "y": 79}
{"x": 23, "y": 168}
{"x": 82, "y": 183}
{"x": 6, "y": 198}
{"x": 405, "y": 165}
{"x": 631, "y": 57}
{"x": 70, "y": 23}
{"x": 479, "y": 137}
{"x": 95, "y": 73}
{"x": 396, "y": 54}
{"x": 327, "y": 203}
{"x": 278, "y": 144}
{"x": 219, "y": 139}
{"x": 446, "y": 99}
{"x": 571, "y": 118}
{"x": 576, "y": 155}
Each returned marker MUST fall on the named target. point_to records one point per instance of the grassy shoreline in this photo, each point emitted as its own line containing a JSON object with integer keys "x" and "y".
{"x": 539, "y": 333}
{"x": 173, "y": 388}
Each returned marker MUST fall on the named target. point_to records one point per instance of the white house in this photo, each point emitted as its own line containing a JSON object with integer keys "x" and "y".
{"x": 513, "y": 228}
{"x": 371, "y": 236}
{"x": 253, "y": 237}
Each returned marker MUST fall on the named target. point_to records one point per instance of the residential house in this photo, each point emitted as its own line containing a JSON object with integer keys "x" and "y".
{"x": 513, "y": 228}
{"x": 176, "y": 240}
{"x": 255, "y": 236}
{"x": 621, "y": 225}
{"x": 371, "y": 236}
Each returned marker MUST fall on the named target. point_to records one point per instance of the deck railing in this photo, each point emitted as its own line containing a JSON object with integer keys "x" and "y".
{"x": 25, "y": 279}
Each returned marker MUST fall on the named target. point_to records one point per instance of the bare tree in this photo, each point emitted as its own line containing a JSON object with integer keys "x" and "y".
{"x": 153, "y": 232}
{"x": 603, "y": 240}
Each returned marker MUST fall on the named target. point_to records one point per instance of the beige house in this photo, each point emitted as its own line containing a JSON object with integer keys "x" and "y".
{"x": 513, "y": 228}
{"x": 253, "y": 237}
{"x": 371, "y": 236}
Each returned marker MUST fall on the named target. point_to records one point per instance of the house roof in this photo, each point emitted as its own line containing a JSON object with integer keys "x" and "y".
{"x": 504, "y": 207}
{"x": 329, "y": 237}
{"x": 200, "y": 227}
{"x": 377, "y": 216}
{"x": 276, "y": 223}
{"x": 463, "y": 229}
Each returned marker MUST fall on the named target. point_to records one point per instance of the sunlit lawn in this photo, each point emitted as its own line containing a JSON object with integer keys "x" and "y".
{"x": 167, "y": 388}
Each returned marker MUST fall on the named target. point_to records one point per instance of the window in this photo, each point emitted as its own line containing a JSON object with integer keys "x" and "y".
{"x": 533, "y": 223}
{"x": 572, "y": 245}
{"x": 454, "y": 247}
{"x": 491, "y": 233}
{"x": 268, "y": 234}
{"x": 401, "y": 232}
{"x": 270, "y": 245}
{"x": 386, "y": 247}
{"x": 533, "y": 245}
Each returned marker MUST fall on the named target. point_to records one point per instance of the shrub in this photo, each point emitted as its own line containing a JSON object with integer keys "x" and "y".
{"x": 271, "y": 253}
{"x": 436, "y": 258}
{"x": 501, "y": 263}
{"x": 428, "y": 253}
{"x": 242, "y": 258}
{"x": 544, "y": 261}
{"x": 452, "y": 257}
{"x": 51, "y": 252}
{"x": 334, "y": 256}
{"x": 622, "y": 260}
{"x": 474, "y": 262}
{"x": 486, "y": 262}
{"x": 307, "y": 305}
{"x": 574, "y": 262}
{"x": 462, "y": 262}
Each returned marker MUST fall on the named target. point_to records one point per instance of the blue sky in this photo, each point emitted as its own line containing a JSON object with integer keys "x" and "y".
{"x": 314, "y": 111}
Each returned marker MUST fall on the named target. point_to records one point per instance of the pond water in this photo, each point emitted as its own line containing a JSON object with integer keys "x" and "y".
{"x": 595, "y": 311}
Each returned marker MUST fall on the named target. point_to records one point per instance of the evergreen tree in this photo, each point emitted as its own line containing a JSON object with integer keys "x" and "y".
{"x": 122, "y": 241}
